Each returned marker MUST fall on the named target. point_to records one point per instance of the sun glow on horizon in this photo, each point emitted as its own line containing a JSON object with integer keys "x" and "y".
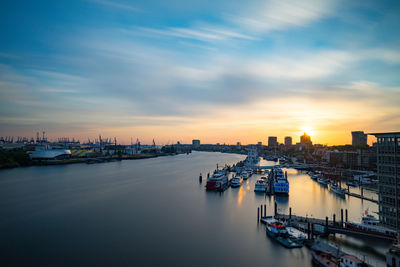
{"x": 308, "y": 130}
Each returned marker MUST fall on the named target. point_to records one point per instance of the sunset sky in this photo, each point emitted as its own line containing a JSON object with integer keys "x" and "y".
{"x": 218, "y": 71}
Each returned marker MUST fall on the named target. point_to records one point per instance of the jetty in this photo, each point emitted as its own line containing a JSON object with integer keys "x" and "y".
{"x": 319, "y": 226}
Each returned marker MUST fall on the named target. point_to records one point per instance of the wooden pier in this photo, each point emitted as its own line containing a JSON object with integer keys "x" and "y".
{"x": 362, "y": 197}
{"x": 316, "y": 226}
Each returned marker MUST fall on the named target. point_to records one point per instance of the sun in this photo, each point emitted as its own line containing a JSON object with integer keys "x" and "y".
{"x": 307, "y": 129}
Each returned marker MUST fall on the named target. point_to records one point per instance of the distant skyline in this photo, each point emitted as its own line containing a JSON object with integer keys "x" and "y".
{"x": 218, "y": 71}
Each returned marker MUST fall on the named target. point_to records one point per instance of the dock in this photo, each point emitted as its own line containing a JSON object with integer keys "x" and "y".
{"x": 362, "y": 197}
{"x": 317, "y": 226}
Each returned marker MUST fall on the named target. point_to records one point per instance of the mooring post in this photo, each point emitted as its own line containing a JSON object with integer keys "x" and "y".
{"x": 261, "y": 211}
{"x": 341, "y": 217}
{"x": 348, "y": 188}
{"x": 312, "y": 231}
{"x": 308, "y": 230}
{"x": 275, "y": 209}
{"x": 334, "y": 219}
{"x": 326, "y": 225}
{"x": 362, "y": 191}
{"x": 265, "y": 210}
{"x": 258, "y": 214}
{"x": 290, "y": 213}
{"x": 200, "y": 178}
{"x": 346, "y": 216}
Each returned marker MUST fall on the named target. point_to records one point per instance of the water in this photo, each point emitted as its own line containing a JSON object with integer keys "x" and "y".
{"x": 154, "y": 212}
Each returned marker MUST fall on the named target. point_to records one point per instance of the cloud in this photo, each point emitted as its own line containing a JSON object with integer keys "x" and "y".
{"x": 206, "y": 34}
{"x": 115, "y": 4}
{"x": 282, "y": 14}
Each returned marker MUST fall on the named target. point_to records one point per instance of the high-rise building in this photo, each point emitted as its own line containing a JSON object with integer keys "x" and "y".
{"x": 272, "y": 141}
{"x": 195, "y": 143}
{"x": 288, "y": 141}
{"x": 238, "y": 145}
{"x": 359, "y": 138}
{"x": 305, "y": 140}
{"x": 388, "y": 173}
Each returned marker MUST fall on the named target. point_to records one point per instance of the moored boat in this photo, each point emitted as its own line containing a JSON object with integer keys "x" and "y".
{"x": 236, "y": 181}
{"x": 323, "y": 181}
{"x": 280, "y": 182}
{"x": 218, "y": 181}
{"x": 260, "y": 186}
{"x": 371, "y": 224}
{"x": 277, "y": 230}
{"x": 337, "y": 189}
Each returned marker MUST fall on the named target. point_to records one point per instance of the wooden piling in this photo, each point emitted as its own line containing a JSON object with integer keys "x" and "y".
{"x": 326, "y": 225}
{"x": 308, "y": 230}
{"x": 346, "y": 216}
{"x": 362, "y": 191}
{"x": 312, "y": 231}
{"x": 265, "y": 210}
{"x": 275, "y": 209}
{"x": 341, "y": 217}
{"x": 200, "y": 178}
{"x": 258, "y": 214}
{"x": 334, "y": 219}
{"x": 290, "y": 213}
{"x": 261, "y": 211}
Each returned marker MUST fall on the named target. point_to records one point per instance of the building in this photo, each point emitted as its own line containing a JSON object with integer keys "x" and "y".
{"x": 238, "y": 145}
{"x": 359, "y": 138}
{"x": 288, "y": 141}
{"x": 195, "y": 143}
{"x": 305, "y": 140}
{"x": 50, "y": 154}
{"x": 272, "y": 142}
{"x": 388, "y": 173}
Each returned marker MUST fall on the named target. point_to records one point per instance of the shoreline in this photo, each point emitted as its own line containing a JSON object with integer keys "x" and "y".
{"x": 82, "y": 160}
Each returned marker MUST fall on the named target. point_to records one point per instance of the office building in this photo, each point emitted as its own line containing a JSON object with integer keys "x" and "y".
{"x": 388, "y": 172}
{"x": 288, "y": 141}
{"x": 272, "y": 142}
{"x": 195, "y": 143}
{"x": 359, "y": 138}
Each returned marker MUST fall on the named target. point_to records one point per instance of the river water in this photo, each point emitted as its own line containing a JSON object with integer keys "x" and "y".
{"x": 154, "y": 212}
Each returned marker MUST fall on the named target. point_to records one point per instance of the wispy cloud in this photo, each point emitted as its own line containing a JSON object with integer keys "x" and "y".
{"x": 282, "y": 14}
{"x": 115, "y": 4}
{"x": 201, "y": 34}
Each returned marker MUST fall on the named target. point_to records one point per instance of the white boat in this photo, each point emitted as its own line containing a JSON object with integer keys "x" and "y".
{"x": 372, "y": 225}
{"x": 323, "y": 181}
{"x": 260, "y": 185}
{"x": 337, "y": 189}
{"x": 236, "y": 181}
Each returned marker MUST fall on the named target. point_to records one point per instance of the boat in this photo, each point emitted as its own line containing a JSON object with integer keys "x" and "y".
{"x": 280, "y": 182}
{"x": 249, "y": 172}
{"x": 236, "y": 181}
{"x": 277, "y": 230}
{"x": 337, "y": 189}
{"x": 296, "y": 234}
{"x": 218, "y": 181}
{"x": 315, "y": 177}
{"x": 260, "y": 185}
{"x": 244, "y": 175}
{"x": 326, "y": 255}
{"x": 323, "y": 181}
{"x": 371, "y": 224}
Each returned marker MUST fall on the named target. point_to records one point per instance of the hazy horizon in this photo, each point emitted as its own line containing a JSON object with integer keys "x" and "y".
{"x": 212, "y": 70}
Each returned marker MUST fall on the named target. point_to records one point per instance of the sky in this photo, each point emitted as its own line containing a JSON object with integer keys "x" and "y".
{"x": 219, "y": 71}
